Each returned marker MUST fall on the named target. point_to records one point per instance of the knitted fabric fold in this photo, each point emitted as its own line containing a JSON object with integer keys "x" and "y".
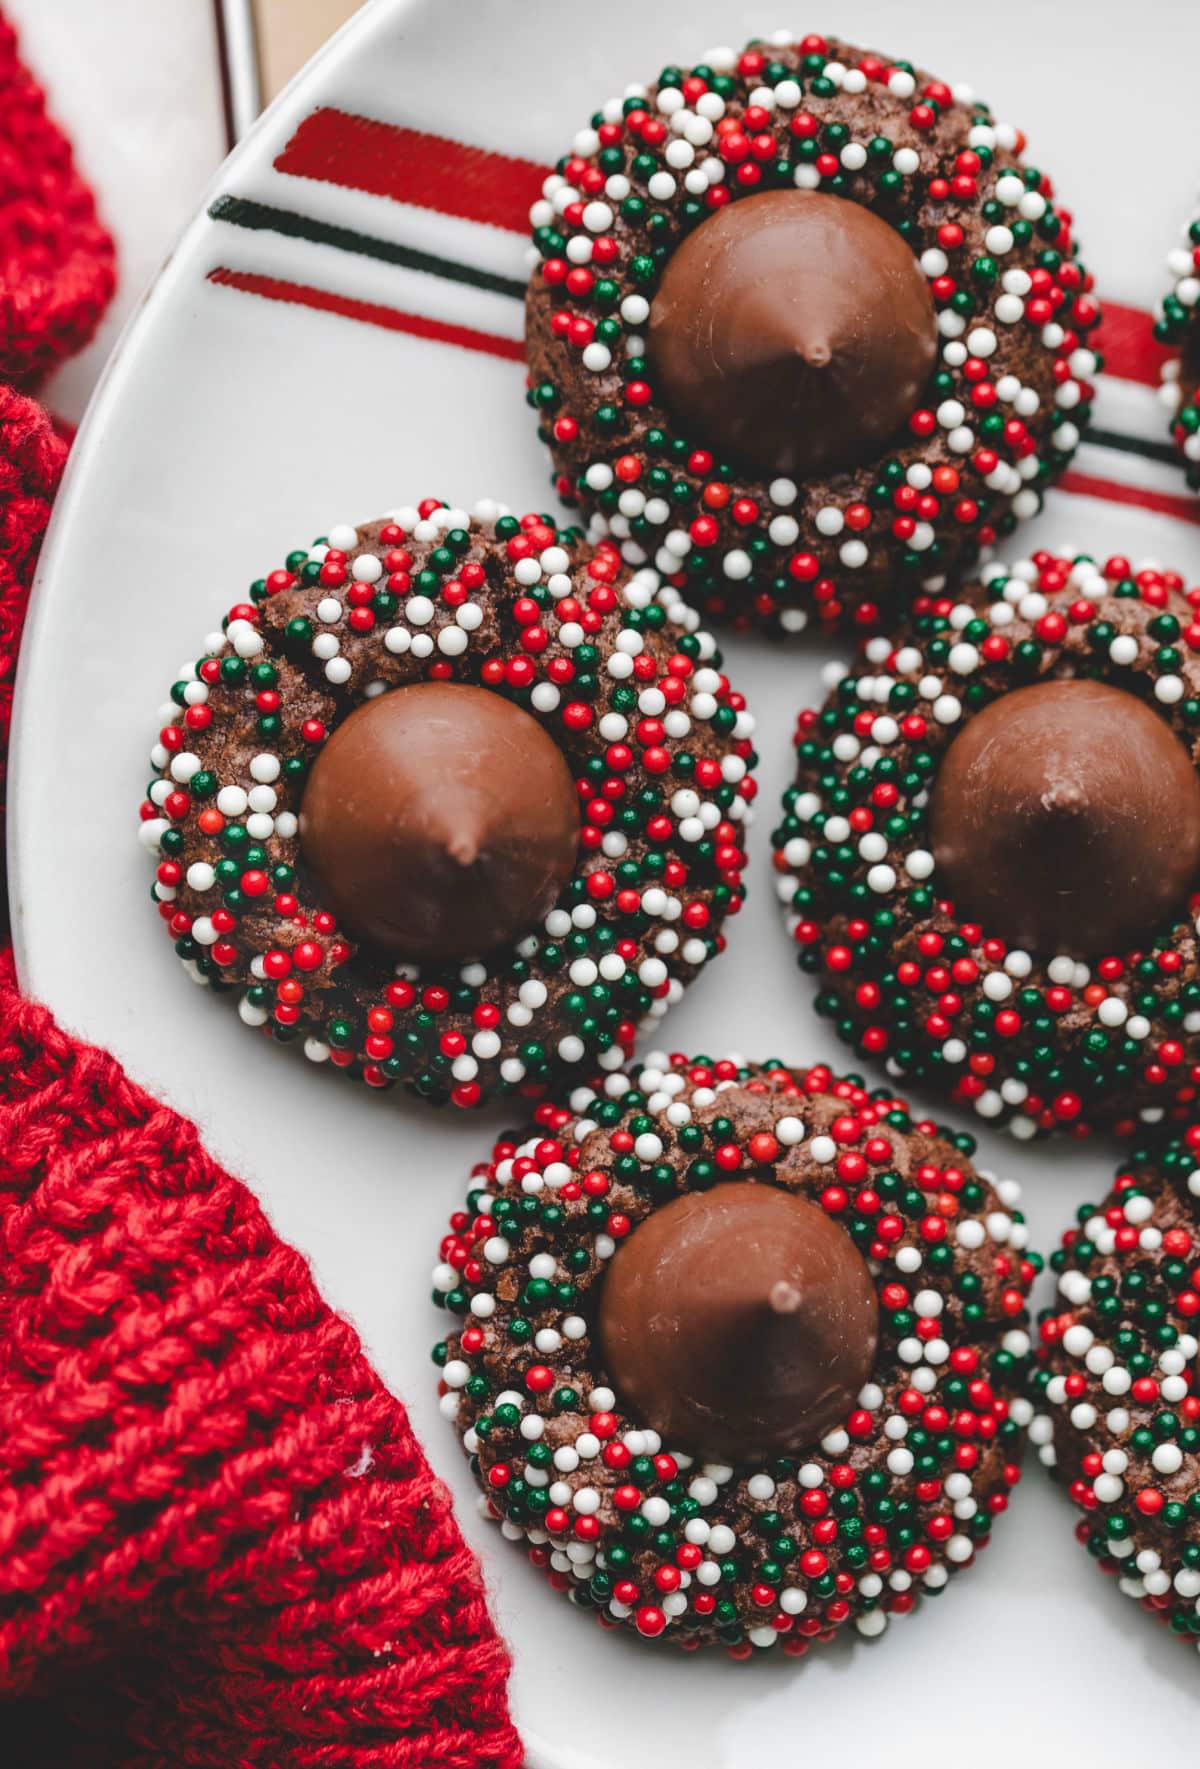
{"x": 57, "y": 260}
{"x": 220, "y": 1543}
{"x": 201, "y": 1477}
{"x": 32, "y": 456}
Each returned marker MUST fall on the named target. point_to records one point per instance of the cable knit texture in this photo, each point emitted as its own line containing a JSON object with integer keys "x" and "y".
{"x": 220, "y": 1543}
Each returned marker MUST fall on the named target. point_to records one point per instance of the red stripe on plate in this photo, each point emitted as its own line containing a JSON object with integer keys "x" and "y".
{"x": 410, "y": 166}
{"x": 477, "y": 184}
{"x": 1131, "y": 352}
{"x": 1111, "y": 491}
{"x": 371, "y": 313}
{"x": 417, "y": 325}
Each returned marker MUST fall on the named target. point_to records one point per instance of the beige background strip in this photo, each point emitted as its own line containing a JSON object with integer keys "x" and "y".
{"x": 290, "y": 31}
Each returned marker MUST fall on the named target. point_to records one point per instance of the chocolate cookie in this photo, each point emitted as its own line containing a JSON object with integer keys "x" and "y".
{"x": 1118, "y": 1414}
{"x": 453, "y": 801}
{"x": 805, "y": 330}
{"x": 990, "y": 856}
{"x": 741, "y": 1351}
{"x": 1178, "y": 325}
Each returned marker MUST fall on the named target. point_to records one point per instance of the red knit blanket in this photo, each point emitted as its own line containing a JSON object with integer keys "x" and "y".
{"x": 220, "y": 1543}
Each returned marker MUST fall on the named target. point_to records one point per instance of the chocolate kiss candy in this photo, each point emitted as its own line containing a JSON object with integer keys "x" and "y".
{"x": 793, "y": 332}
{"x": 441, "y": 822}
{"x": 738, "y": 1323}
{"x": 1066, "y": 818}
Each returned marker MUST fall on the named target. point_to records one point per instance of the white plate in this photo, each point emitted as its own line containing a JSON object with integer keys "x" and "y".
{"x": 229, "y": 428}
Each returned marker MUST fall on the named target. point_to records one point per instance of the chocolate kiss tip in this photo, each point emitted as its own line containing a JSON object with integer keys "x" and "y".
{"x": 738, "y": 1322}
{"x": 795, "y": 327}
{"x": 400, "y": 810}
{"x": 463, "y": 848}
{"x": 1066, "y": 819}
